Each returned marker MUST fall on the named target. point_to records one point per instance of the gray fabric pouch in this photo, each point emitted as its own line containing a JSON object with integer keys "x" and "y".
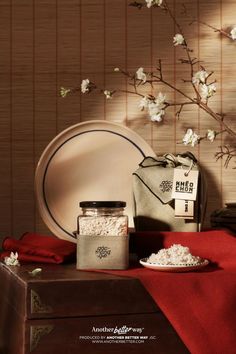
{"x": 154, "y": 208}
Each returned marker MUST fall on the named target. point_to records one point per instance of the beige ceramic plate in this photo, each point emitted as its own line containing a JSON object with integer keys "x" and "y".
{"x": 89, "y": 161}
{"x": 173, "y": 268}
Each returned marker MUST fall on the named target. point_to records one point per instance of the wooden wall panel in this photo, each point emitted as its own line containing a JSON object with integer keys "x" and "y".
{"x": 92, "y": 56}
{"x": 228, "y": 101}
{"x": 139, "y": 54}
{"x": 68, "y": 61}
{"x": 115, "y": 46}
{"x": 47, "y": 44}
{"x": 212, "y": 58}
{"x": 189, "y": 117}
{"x": 22, "y": 122}
{"x": 164, "y": 134}
{"x": 45, "y": 79}
{"x": 5, "y": 118}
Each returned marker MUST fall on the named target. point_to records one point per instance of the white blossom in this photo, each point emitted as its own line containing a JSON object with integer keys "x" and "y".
{"x": 200, "y": 77}
{"x": 108, "y": 94}
{"x": 153, "y": 2}
{"x": 64, "y": 92}
{"x": 158, "y": 116}
{"x": 178, "y": 39}
{"x": 144, "y": 102}
{"x": 85, "y": 85}
{"x": 155, "y": 112}
{"x": 160, "y": 100}
{"x": 155, "y": 106}
{"x": 191, "y": 138}
{"x": 12, "y": 260}
{"x": 141, "y": 75}
{"x": 211, "y": 134}
{"x": 116, "y": 69}
{"x": 233, "y": 33}
{"x": 208, "y": 91}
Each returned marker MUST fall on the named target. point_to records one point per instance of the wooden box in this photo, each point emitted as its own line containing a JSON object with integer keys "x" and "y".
{"x": 66, "y": 311}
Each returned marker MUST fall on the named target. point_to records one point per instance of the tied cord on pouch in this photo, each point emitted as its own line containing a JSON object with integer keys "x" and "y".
{"x": 187, "y": 159}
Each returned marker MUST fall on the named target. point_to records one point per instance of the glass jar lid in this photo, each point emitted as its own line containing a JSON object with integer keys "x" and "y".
{"x": 102, "y": 204}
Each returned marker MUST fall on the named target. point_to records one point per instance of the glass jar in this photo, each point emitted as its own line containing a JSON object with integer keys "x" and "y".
{"x": 103, "y": 218}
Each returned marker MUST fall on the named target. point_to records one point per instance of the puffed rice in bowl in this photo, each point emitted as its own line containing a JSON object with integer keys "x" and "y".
{"x": 176, "y": 255}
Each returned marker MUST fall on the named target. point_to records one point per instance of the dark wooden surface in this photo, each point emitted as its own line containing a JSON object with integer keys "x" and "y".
{"x": 64, "y": 292}
{"x": 69, "y": 303}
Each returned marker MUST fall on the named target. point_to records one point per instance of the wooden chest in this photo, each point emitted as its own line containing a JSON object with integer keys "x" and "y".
{"x": 66, "y": 311}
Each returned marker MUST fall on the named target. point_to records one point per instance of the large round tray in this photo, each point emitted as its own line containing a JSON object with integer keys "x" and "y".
{"x": 93, "y": 160}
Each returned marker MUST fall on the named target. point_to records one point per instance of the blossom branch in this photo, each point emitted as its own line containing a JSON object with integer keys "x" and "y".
{"x": 218, "y": 117}
{"x": 215, "y": 29}
{"x": 225, "y": 153}
{"x": 203, "y": 88}
{"x": 181, "y": 106}
{"x": 159, "y": 79}
{"x": 191, "y": 138}
{"x": 191, "y": 61}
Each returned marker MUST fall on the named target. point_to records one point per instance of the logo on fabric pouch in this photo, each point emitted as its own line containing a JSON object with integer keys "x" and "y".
{"x": 166, "y": 186}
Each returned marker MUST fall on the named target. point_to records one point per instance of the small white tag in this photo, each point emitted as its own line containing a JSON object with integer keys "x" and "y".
{"x": 185, "y": 184}
{"x": 184, "y": 209}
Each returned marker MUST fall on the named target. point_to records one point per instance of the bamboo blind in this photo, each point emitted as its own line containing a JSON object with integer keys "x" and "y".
{"x": 46, "y": 44}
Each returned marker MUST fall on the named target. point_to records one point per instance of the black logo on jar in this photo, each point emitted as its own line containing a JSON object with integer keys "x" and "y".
{"x": 103, "y": 252}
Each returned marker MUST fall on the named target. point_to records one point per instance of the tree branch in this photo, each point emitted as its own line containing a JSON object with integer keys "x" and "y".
{"x": 224, "y": 33}
{"x": 225, "y": 153}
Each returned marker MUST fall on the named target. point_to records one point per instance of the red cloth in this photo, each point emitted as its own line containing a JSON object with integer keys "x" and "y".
{"x": 41, "y": 249}
{"x": 201, "y": 305}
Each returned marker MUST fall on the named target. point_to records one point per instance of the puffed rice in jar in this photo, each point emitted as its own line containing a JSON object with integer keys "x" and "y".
{"x": 103, "y": 218}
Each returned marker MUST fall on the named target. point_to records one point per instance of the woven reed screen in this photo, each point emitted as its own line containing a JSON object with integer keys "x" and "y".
{"x": 46, "y": 44}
